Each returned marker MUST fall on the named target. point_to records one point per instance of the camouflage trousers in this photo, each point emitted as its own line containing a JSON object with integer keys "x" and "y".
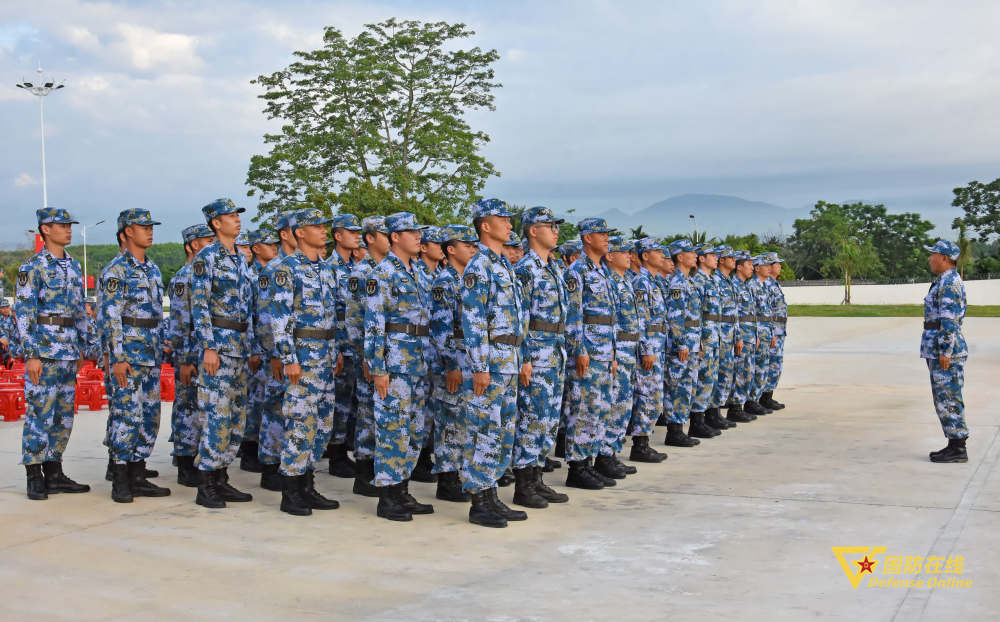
{"x": 647, "y": 402}
{"x": 946, "y": 388}
{"x": 135, "y": 415}
{"x": 364, "y": 422}
{"x": 429, "y": 418}
{"x": 622, "y": 394}
{"x": 776, "y": 357}
{"x": 489, "y": 443}
{"x": 48, "y": 418}
{"x": 681, "y": 378}
{"x": 538, "y": 409}
{"x": 726, "y": 377}
{"x": 256, "y": 382}
{"x": 399, "y": 428}
{"x": 271, "y": 437}
{"x": 222, "y": 403}
{"x": 343, "y": 421}
{"x": 761, "y": 363}
{"x": 744, "y": 373}
{"x": 590, "y": 410}
{"x": 706, "y": 376}
{"x": 184, "y": 426}
{"x": 308, "y": 412}
{"x": 450, "y": 426}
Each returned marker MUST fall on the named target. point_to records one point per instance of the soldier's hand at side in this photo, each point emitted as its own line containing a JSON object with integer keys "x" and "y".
{"x": 480, "y": 382}
{"x": 185, "y": 372}
{"x": 453, "y": 380}
{"x": 381, "y": 385}
{"x": 582, "y": 363}
{"x": 293, "y": 371}
{"x": 944, "y": 361}
{"x": 211, "y": 361}
{"x": 648, "y": 360}
{"x": 254, "y": 363}
{"x": 525, "y": 375}
{"x": 368, "y": 374}
{"x": 682, "y": 355}
{"x": 338, "y": 369}
{"x": 739, "y": 348}
{"x": 614, "y": 367}
{"x": 774, "y": 341}
{"x": 276, "y": 368}
{"x": 121, "y": 372}
{"x": 5, "y": 342}
{"x": 33, "y": 367}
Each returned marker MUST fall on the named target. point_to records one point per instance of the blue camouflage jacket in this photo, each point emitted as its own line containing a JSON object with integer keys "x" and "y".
{"x": 132, "y": 291}
{"x": 711, "y": 308}
{"x": 593, "y": 311}
{"x": 629, "y": 322}
{"x": 302, "y": 292}
{"x": 944, "y": 311}
{"x": 762, "y": 303}
{"x": 342, "y": 270}
{"x": 493, "y": 318}
{"x": 684, "y": 313}
{"x": 543, "y": 292}
{"x": 728, "y": 307}
{"x": 653, "y": 307}
{"x": 50, "y": 287}
{"x": 779, "y": 308}
{"x": 179, "y": 330}
{"x": 354, "y": 323}
{"x": 222, "y": 289}
{"x": 446, "y": 320}
{"x": 397, "y": 319}
{"x": 747, "y": 311}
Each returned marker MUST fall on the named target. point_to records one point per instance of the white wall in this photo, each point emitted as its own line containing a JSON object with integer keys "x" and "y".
{"x": 978, "y": 293}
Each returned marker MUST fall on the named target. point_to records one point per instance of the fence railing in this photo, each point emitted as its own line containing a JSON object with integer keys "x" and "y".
{"x": 840, "y": 282}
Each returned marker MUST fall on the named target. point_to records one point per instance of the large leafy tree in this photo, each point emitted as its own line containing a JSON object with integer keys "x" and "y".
{"x": 829, "y": 241}
{"x": 981, "y": 204}
{"x": 376, "y": 123}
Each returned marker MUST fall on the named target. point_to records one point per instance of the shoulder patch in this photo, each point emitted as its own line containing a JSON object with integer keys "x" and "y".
{"x": 352, "y": 284}
{"x": 676, "y": 294}
{"x": 371, "y": 287}
{"x": 22, "y": 278}
{"x": 469, "y": 281}
{"x": 525, "y": 278}
{"x": 178, "y": 289}
{"x": 571, "y": 283}
{"x": 438, "y": 294}
{"x": 263, "y": 282}
{"x": 281, "y": 278}
{"x": 199, "y": 267}
{"x": 640, "y": 295}
{"x": 112, "y": 285}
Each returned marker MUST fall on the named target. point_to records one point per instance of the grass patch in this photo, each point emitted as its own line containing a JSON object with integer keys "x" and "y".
{"x": 881, "y": 311}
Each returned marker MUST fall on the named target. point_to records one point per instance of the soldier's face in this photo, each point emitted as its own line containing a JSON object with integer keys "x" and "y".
{"x": 686, "y": 260}
{"x": 199, "y": 243}
{"x": 498, "y": 228}
{"x": 5, "y": 311}
{"x": 618, "y": 260}
{"x": 265, "y": 252}
{"x": 745, "y": 269}
{"x": 432, "y": 251}
{"x": 58, "y": 232}
{"x": 939, "y": 263}
{"x": 408, "y": 241}
{"x": 347, "y": 239}
{"x": 513, "y": 253}
{"x": 313, "y": 235}
{"x": 228, "y": 224}
{"x": 359, "y": 253}
{"x": 462, "y": 252}
{"x": 547, "y": 234}
{"x": 668, "y": 265}
{"x": 598, "y": 242}
{"x": 710, "y": 261}
{"x": 140, "y": 235}
{"x": 654, "y": 259}
{"x": 775, "y": 270}
{"x": 571, "y": 258}
{"x": 378, "y": 242}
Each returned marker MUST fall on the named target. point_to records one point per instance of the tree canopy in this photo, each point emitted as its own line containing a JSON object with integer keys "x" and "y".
{"x": 981, "y": 204}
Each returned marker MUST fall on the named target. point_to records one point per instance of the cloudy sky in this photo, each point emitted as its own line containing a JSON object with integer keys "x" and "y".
{"x": 604, "y": 104}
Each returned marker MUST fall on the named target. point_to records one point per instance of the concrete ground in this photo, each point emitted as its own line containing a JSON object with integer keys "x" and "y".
{"x": 738, "y": 528}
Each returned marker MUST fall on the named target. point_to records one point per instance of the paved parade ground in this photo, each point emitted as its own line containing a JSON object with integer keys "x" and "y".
{"x": 740, "y": 527}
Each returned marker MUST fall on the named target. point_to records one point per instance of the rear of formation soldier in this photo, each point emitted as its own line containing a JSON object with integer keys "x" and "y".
{"x": 663, "y": 281}
{"x": 543, "y": 358}
{"x": 431, "y": 256}
{"x": 943, "y": 346}
{"x": 347, "y": 235}
{"x": 591, "y": 324}
{"x": 684, "y": 321}
{"x": 513, "y": 248}
{"x": 10, "y": 341}
{"x": 493, "y": 326}
{"x": 648, "y": 401}
{"x": 729, "y": 341}
{"x": 53, "y": 331}
{"x": 746, "y": 332}
{"x": 222, "y": 303}
{"x": 376, "y": 238}
{"x": 303, "y": 288}
{"x": 779, "y": 317}
{"x": 708, "y": 363}
{"x": 570, "y": 251}
{"x": 131, "y": 312}
{"x": 765, "y": 336}
{"x": 397, "y": 346}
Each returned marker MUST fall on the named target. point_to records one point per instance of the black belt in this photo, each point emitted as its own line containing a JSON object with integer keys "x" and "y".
{"x": 409, "y": 329}
{"x": 222, "y": 322}
{"x": 712, "y": 317}
{"x": 510, "y": 340}
{"x": 692, "y": 323}
{"x": 748, "y": 318}
{"x": 341, "y": 315}
{"x": 779, "y": 319}
{"x": 314, "y": 333}
{"x": 602, "y": 320}
{"x": 456, "y": 330}
{"x": 932, "y": 325}
{"x": 56, "y": 320}
{"x": 623, "y": 336}
{"x": 141, "y": 322}
{"x": 548, "y": 327}
{"x": 656, "y": 328}
{"x": 729, "y": 319}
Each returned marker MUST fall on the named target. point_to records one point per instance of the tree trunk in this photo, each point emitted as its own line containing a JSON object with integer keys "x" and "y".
{"x": 847, "y": 288}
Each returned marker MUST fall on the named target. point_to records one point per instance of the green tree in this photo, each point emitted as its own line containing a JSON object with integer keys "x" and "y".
{"x": 638, "y": 233}
{"x": 376, "y": 123}
{"x": 854, "y": 257}
{"x": 981, "y": 204}
{"x": 964, "y": 250}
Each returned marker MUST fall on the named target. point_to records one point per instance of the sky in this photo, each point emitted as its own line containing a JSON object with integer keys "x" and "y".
{"x": 603, "y": 105}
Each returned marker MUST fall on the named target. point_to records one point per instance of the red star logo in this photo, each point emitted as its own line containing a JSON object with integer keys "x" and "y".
{"x": 866, "y": 565}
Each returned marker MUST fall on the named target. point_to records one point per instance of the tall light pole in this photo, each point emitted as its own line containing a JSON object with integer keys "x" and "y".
{"x": 85, "y": 287}
{"x": 43, "y": 87}
{"x": 695, "y": 222}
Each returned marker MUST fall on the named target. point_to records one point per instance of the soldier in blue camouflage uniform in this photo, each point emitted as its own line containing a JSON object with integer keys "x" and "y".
{"x": 779, "y": 316}
{"x": 397, "y": 349}
{"x": 53, "y": 330}
{"x": 765, "y": 335}
{"x": 630, "y": 328}
{"x": 303, "y": 289}
{"x": 708, "y": 360}
{"x": 684, "y": 320}
{"x": 513, "y": 248}
{"x": 647, "y": 405}
{"x": 591, "y": 327}
{"x": 131, "y": 313}
{"x": 449, "y": 388}
{"x": 376, "y": 238}
{"x": 746, "y": 334}
{"x": 663, "y": 281}
{"x": 222, "y": 304}
{"x": 8, "y": 331}
{"x": 543, "y": 358}
{"x": 431, "y": 256}
{"x": 729, "y": 342}
{"x": 943, "y": 346}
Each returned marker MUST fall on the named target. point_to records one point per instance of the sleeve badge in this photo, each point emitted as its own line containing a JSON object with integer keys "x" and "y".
{"x": 178, "y": 289}
{"x": 112, "y": 285}
{"x": 469, "y": 281}
{"x": 352, "y": 284}
{"x": 438, "y": 294}
{"x": 281, "y": 278}
{"x": 371, "y": 286}
{"x": 571, "y": 284}
{"x": 263, "y": 282}
{"x": 199, "y": 268}
{"x": 22, "y": 278}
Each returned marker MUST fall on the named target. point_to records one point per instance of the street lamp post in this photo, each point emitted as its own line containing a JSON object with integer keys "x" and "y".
{"x": 85, "y": 286}
{"x": 695, "y": 222}
{"x": 41, "y": 89}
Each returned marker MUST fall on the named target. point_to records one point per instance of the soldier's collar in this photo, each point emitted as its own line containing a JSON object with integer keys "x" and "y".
{"x": 486, "y": 250}
{"x": 399, "y": 262}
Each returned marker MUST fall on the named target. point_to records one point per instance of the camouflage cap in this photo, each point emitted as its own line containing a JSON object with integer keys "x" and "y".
{"x": 5, "y": 302}
{"x": 706, "y": 249}
{"x": 539, "y": 215}
{"x": 262, "y": 236}
{"x": 571, "y": 247}
{"x": 946, "y": 248}
{"x": 514, "y": 240}
{"x": 682, "y": 245}
{"x": 374, "y": 224}
{"x": 285, "y": 219}
{"x": 724, "y": 251}
{"x": 346, "y": 221}
{"x": 135, "y": 216}
{"x": 594, "y": 225}
{"x": 54, "y": 215}
{"x": 242, "y": 240}
{"x": 310, "y": 216}
{"x": 648, "y": 244}
{"x": 90, "y": 300}
{"x": 430, "y": 234}
{"x": 618, "y": 244}
{"x": 490, "y": 207}
{"x": 196, "y": 231}
{"x": 220, "y": 207}
{"x": 403, "y": 221}
{"x": 772, "y": 257}
{"x": 458, "y": 233}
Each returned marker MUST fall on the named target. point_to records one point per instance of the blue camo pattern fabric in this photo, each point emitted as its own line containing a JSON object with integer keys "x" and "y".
{"x": 708, "y": 362}
{"x": 450, "y": 426}
{"x": 765, "y": 331}
{"x": 647, "y": 403}
{"x": 630, "y": 330}
{"x": 728, "y": 308}
{"x": 747, "y": 327}
{"x": 271, "y": 434}
{"x": 684, "y": 320}
{"x": 364, "y": 424}
{"x": 944, "y": 311}
{"x": 345, "y": 391}
{"x": 779, "y": 310}
{"x": 47, "y": 286}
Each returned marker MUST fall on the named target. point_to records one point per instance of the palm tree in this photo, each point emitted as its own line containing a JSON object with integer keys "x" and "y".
{"x": 638, "y": 233}
{"x": 964, "y": 250}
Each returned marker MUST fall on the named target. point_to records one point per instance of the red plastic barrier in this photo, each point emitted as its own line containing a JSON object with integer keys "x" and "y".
{"x": 11, "y": 403}
{"x": 167, "y": 383}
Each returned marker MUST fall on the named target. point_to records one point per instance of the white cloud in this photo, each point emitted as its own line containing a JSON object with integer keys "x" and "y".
{"x": 515, "y": 54}
{"x": 24, "y": 179}
{"x": 82, "y": 38}
{"x": 147, "y": 49}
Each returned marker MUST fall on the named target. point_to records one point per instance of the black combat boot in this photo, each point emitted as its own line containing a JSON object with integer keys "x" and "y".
{"x": 392, "y": 505}
{"x": 677, "y": 438}
{"x": 148, "y": 474}
{"x": 501, "y": 508}
{"x": 755, "y": 409}
{"x": 524, "y": 489}
{"x": 767, "y": 401}
{"x": 628, "y": 468}
{"x": 604, "y": 479}
{"x": 606, "y": 466}
{"x": 248, "y": 457}
{"x": 551, "y": 465}
{"x": 506, "y": 479}
{"x": 544, "y": 491}
{"x": 56, "y": 481}
{"x": 270, "y": 479}
{"x": 109, "y": 474}
{"x": 312, "y": 497}
{"x": 141, "y": 487}
{"x": 717, "y": 416}
{"x": 341, "y": 464}
{"x": 560, "y": 450}
{"x": 661, "y": 420}
{"x": 737, "y": 414}
{"x": 36, "y": 482}
{"x": 228, "y": 492}
{"x": 579, "y": 476}
{"x": 642, "y": 452}
{"x": 292, "y": 500}
{"x": 449, "y": 487}
{"x": 698, "y": 429}
{"x": 954, "y": 452}
{"x": 423, "y": 471}
{"x": 414, "y": 506}
{"x": 209, "y": 494}
{"x": 187, "y": 474}
{"x": 121, "y": 489}
{"x": 364, "y": 474}
{"x": 482, "y": 511}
